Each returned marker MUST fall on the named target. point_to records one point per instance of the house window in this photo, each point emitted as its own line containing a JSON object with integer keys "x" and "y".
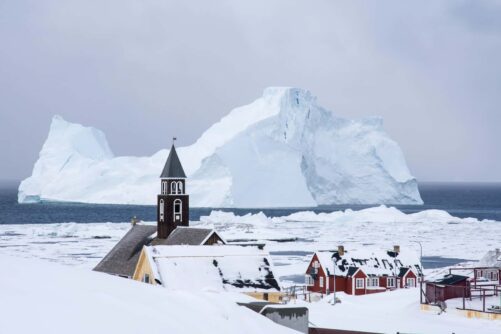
{"x": 316, "y": 264}
{"x": 161, "y": 210}
{"x": 146, "y": 278}
{"x": 390, "y": 282}
{"x": 164, "y": 187}
{"x": 410, "y": 282}
{"x": 178, "y": 208}
{"x": 359, "y": 283}
{"x": 321, "y": 281}
{"x": 309, "y": 280}
{"x": 372, "y": 281}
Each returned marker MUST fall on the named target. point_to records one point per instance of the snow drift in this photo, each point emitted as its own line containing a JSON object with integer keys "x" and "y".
{"x": 59, "y": 299}
{"x": 282, "y": 150}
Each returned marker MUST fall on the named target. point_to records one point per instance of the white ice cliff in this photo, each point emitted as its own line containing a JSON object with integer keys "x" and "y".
{"x": 282, "y": 150}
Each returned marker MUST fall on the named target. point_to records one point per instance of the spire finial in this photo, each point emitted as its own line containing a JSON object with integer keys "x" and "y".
{"x": 173, "y": 140}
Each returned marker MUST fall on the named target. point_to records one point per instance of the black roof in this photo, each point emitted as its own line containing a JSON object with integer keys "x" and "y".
{"x": 173, "y": 167}
{"x": 185, "y": 236}
{"x": 403, "y": 271}
{"x": 351, "y": 271}
{"x": 450, "y": 279}
{"x": 122, "y": 259}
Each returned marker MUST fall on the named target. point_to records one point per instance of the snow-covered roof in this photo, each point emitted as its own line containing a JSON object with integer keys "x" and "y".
{"x": 371, "y": 261}
{"x": 122, "y": 259}
{"x": 187, "y": 235}
{"x": 491, "y": 259}
{"x": 219, "y": 268}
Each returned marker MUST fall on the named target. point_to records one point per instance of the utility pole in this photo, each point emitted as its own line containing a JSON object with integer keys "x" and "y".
{"x": 421, "y": 255}
{"x": 334, "y": 279}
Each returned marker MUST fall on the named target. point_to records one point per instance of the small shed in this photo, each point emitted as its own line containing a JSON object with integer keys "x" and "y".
{"x": 448, "y": 287}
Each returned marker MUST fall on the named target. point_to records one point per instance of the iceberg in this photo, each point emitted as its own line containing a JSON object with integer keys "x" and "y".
{"x": 282, "y": 150}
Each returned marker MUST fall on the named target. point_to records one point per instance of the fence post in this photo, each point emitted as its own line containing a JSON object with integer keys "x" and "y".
{"x": 464, "y": 294}
{"x": 483, "y": 292}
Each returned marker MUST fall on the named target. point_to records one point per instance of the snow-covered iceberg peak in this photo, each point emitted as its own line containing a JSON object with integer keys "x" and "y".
{"x": 281, "y": 150}
{"x": 68, "y": 146}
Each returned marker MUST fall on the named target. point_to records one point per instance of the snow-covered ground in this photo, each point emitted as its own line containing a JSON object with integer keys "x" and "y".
{"x": 284, "y": 143}
{"x": 41, "y": 297}
{"x": 83, "y": 245}
{"x": 392, "y": 312}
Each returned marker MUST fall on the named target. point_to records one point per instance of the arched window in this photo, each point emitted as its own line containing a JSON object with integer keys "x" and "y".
{"x": 161, "y": 210}
{"x": 173, "y": 187}
{"x": 164, "y": 187}
{"x": 179, "y": 187}
{"x": 178, "y": 210}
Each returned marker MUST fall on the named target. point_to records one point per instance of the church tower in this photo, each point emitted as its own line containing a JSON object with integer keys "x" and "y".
{"x": 173, "y": 202}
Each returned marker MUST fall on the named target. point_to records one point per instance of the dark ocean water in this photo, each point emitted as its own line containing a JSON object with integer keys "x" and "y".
{"x": 478, "y": 200}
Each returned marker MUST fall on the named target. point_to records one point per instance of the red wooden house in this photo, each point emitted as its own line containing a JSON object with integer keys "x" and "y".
{"x": 362, "y": 272}
{"x": 447, "y": 287}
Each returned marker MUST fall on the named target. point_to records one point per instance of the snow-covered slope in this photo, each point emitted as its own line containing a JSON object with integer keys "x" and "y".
{"x": 43, "y": 297}
{"x": 281, "y": 150}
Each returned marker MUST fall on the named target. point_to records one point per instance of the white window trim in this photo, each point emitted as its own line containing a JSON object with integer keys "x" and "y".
{"x": 309, "y": 280}
{"x": 162, "y": 210}
{"x": 174, "y": 212}
{"x": 410, "y": 279}
{"x": 321, "y": 282}
{"x": 392, "y": 280}
{"x": 173, "y": 187}
{"x": 359, "y": 280}
{"x": 372, "y": 281}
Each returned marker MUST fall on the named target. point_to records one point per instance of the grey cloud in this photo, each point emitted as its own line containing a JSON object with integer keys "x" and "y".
{"x": 145, "y": 70}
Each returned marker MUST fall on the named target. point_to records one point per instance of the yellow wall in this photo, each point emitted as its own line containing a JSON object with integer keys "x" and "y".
{"x": 143, "y": 267}
{"x": 273, "y": 297}
{"x": 480, "y": 315}
{"x": 465, "y": 313}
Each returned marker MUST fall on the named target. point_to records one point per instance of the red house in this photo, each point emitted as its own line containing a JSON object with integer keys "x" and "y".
{"x": 362, "y": 272}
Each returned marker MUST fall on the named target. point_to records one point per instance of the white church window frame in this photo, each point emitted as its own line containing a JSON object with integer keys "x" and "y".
{"x": 179, "y": 204}
{"x": 173, "y": 187}
{"x": 162, "y": 210}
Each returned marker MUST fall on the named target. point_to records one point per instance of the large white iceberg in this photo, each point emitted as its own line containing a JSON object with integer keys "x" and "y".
{"x": 282, "y": 150}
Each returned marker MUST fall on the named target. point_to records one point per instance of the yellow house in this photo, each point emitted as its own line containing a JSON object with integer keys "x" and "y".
{"x": 216, "y": 268}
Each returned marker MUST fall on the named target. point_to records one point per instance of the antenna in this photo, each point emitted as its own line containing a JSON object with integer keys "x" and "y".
{"x": 174, "y": 140}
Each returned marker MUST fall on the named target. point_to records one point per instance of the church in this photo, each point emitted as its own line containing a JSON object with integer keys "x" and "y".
{"x": 172, "y": 226}
{"x": 174, "y": 255}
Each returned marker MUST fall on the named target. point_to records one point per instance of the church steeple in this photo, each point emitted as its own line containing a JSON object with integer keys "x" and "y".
{"x": 173, "y": 202}
{"x": 173, "y": 167}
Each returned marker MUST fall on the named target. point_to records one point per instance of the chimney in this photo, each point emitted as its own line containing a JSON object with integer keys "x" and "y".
{"x": 340, "y": 250}
{"x": 396, "y": 249}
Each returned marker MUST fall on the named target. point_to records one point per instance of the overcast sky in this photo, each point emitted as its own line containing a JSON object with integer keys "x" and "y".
{"x": 143, "y": 71}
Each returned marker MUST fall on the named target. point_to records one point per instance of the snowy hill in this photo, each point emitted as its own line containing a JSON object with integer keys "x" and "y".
{"x": 282, "y": 150}
{"x": 42, "y": 297}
